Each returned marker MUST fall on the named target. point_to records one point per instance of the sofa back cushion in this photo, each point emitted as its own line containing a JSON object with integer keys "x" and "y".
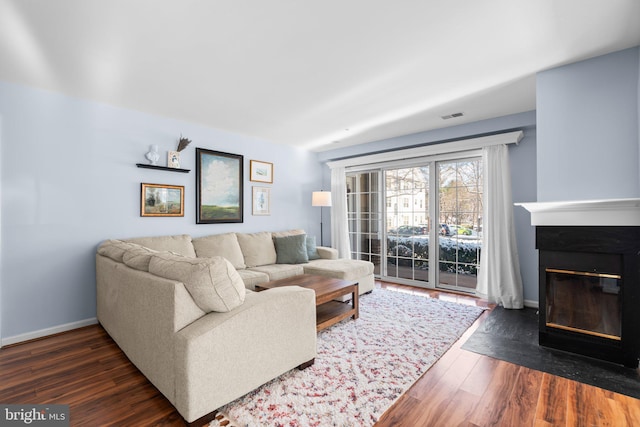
{"x": 138, "y": 257}
{"x": 292, "y": 232}
{"x": 257, "y": 248}
{"x": 115, "y": 249}
{"x": 224, "y": 245}
{"x": 213, "y": 283}
{"x": 180, "y": 244}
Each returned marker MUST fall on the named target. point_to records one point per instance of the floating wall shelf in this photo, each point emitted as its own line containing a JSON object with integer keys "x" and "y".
{"x": 163, "y": 168}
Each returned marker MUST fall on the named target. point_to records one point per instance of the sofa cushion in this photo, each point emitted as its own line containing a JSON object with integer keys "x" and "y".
{"x": 180, "y": 244}
{"x": 280, "y": 271}
{"x": 257, "y": 248}
{"x": 286, "y": 233}
{"x": 312, "y": 249}
{"x": 138, "y": 257}
{"x": 212, "y": 282}
{"x": 253, "y": 278}
{"x": 224, "y": 245}
{"x": 345, "y": 269}
{"x": 327, "y": 253}
{"x": 291, "y": 249}
{"x": 115, "y": 249}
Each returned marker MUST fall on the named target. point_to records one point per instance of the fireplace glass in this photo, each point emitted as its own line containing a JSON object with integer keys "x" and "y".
{"x": 584, "y": 302}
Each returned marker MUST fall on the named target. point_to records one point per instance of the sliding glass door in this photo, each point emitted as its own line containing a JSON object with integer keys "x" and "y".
{"x": 460, "y": 219}
{"x": 407, "y": 223}
{"x": 419, "y": 224}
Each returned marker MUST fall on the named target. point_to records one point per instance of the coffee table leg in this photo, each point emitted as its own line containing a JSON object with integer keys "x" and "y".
{"x": 354, "y": 301}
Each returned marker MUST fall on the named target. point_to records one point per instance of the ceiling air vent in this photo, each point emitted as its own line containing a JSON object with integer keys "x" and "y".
{"x": 451, "y": 116}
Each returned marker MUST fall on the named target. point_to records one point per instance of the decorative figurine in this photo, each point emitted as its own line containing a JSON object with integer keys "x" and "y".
{"x": 153, "y": 154}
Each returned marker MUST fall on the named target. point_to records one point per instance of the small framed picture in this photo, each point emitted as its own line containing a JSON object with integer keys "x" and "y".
{"x": 161, "y": 200}
{"x": 173, "y": 159}
{"x": 261, "y": 201}
{"x": 261, "y": 171}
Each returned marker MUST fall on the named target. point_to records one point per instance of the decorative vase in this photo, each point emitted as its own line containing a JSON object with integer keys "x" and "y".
{"x": 153, "y": 154}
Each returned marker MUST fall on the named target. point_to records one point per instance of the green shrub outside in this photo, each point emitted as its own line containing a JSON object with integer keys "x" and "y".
{"x": 451, "y": 251}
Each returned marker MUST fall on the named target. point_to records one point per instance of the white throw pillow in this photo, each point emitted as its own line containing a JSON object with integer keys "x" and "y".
{"x": 213, "y": 283}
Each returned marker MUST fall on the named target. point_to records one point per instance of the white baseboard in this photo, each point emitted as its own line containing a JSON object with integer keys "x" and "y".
{"x": 48, "y": 331}
{"x": 531, "y": 303}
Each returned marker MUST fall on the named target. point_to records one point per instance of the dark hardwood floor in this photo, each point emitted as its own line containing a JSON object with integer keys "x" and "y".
{"x": 86, "y": 370}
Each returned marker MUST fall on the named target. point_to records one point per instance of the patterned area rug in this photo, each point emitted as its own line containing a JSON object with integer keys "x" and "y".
{"x": 362, "y": 366}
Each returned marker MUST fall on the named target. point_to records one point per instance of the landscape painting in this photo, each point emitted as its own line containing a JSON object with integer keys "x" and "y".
{"x": 218, "y": 187}
{"x": 161, "y": 200}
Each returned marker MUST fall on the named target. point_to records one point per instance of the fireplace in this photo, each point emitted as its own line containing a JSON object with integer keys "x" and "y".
{"x": 589, "y": 281}
{"x": 584, "y": 302}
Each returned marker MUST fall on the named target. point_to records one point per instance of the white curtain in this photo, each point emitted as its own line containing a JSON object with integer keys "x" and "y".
{"x": 339, "y": 225}
{"x": 499, "y": 278}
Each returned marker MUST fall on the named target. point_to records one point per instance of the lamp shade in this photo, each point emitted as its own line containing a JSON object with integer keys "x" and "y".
{"x": 321, "y": 198}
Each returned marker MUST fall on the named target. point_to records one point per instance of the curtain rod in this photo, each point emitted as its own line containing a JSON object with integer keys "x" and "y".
{"x": 433, "y": 149}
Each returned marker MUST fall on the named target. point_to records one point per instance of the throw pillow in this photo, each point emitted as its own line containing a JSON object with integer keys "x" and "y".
{"x": 312, "y": 249}
{"x": 291, "y": 249}
{"x": 213, "y": 283}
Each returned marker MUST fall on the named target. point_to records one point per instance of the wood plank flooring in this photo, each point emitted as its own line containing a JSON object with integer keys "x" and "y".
{"x": 85, "y": 369}
{"x": 468, "y": 389}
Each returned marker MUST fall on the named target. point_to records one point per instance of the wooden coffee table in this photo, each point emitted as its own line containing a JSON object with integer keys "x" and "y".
{"x": 328, "y": 311}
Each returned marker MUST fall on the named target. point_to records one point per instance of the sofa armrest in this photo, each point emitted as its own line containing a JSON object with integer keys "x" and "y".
{"x": 222, "y": 356}
{"x": 327, "y": 253}
{"x": 141, "y": 312}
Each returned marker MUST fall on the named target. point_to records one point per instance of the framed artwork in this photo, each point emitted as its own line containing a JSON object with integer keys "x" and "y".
{"x": 161, "y": 200}
{"x": 173, "y": 159}
{"x": 218, "y": 187}
{"x": 261, "y": 201}
{"x": 261, "y": 171}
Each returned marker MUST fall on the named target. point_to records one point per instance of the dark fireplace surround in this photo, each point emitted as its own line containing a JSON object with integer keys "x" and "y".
{"x": 607, "y": 259}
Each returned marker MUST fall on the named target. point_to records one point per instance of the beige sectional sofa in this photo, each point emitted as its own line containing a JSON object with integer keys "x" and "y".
{"x": 184, "y": 311}
{"x": 255, "y": 257}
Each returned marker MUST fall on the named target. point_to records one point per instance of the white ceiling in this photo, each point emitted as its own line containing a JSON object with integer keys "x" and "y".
{"x": 308, "y": 73}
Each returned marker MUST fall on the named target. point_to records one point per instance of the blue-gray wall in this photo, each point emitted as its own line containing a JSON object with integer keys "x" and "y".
{"x": 588, "y": 129}
{"x": 523, "y": 175}
{"x": 68, "y": 180}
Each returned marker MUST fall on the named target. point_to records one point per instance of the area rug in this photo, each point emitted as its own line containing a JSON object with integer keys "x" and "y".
{"x": 512, "y": 336}
{"x": 362, "y": 366}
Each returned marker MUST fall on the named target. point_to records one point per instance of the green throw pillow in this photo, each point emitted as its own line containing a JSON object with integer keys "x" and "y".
{"x": 312, "y": 250}
{"x": 291, "y": 249}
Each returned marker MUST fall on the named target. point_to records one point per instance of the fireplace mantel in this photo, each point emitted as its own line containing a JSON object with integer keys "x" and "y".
{"x": 609, "y": 212}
